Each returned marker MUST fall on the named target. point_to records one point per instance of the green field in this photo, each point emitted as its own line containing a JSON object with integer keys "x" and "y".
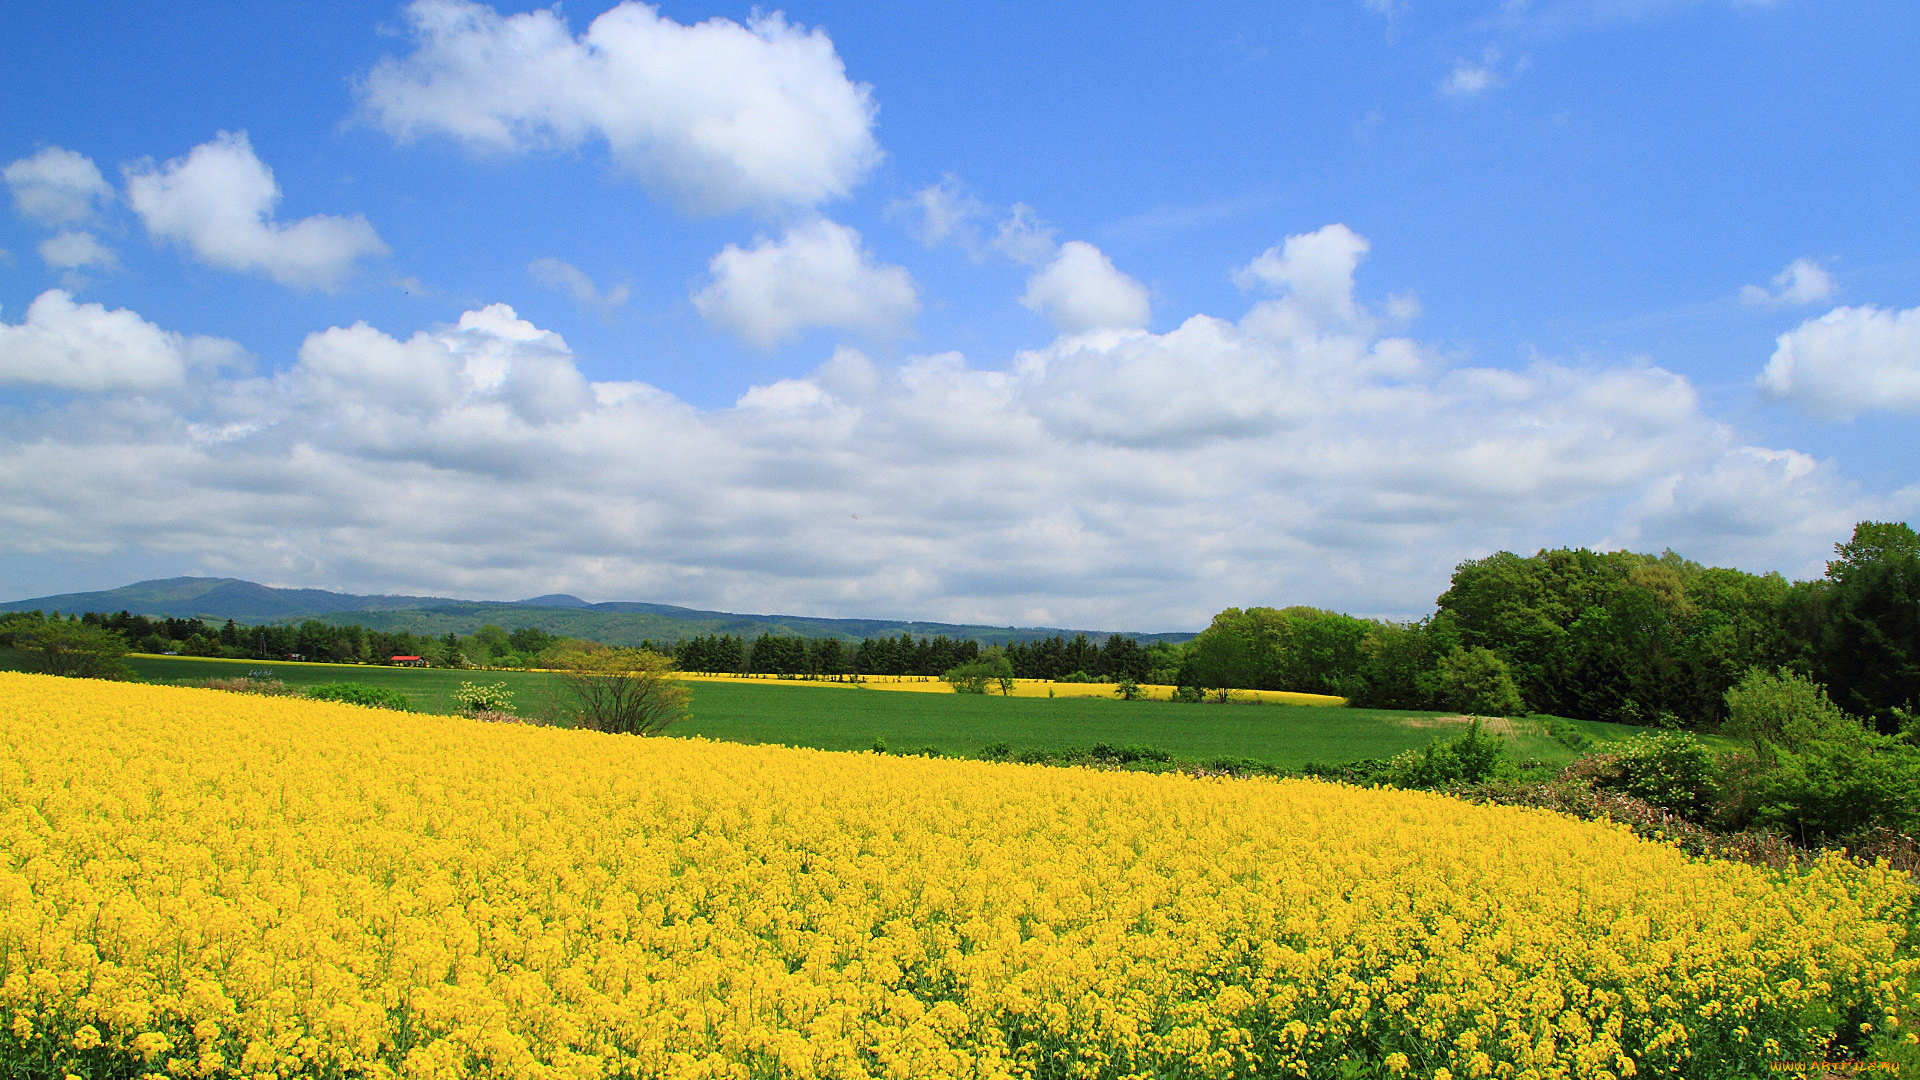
{"x": 828, "y": 718}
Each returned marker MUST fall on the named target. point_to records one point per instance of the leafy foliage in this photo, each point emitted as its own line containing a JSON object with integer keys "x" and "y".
{"x": 353, "y": 693}
{"x": 70, "y": 648}
{"x": 1671, "y": 770}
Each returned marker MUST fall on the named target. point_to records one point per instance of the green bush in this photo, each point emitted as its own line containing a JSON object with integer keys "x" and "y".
{"x": 1833, "y": 790}
{"x": 1189, "y": 695}
{"x": 1128, "y": 690}
{"x": 1472, "y": 758}
{"x": 353, "y": 693}
{"x": 1672, "y": 770}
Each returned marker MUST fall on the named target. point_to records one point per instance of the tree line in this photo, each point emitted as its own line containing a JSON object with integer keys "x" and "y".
{"x": 1615, "y": 636}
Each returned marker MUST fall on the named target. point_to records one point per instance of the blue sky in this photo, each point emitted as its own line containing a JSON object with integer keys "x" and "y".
{"x": 1106, "y": 315}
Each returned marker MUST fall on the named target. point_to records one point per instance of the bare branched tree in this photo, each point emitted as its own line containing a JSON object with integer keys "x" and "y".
{"x": 618, "y": 690}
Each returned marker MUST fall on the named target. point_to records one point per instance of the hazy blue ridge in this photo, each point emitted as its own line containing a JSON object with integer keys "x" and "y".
{"x": 614, "y": 622}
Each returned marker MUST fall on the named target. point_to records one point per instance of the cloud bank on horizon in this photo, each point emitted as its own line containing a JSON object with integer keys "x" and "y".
{"x": 1135, "y": 450}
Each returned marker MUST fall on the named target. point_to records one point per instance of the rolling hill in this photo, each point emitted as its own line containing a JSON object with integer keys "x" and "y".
{"x": 615, "y": 622}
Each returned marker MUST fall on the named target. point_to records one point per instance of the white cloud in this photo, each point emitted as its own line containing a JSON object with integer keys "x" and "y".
{"x": 218, "y": 201}
{"x": 85, "y": 347}
{"x": 57, "y": 187}
{"x": 1024, "y": 238}
{"x": 1116, "y": 478}
{"x": 717, "y": 116}
{"x": 570, "y": 279}
{"x": 75, "y": 250}
{"x": 945, "y": 213}
{"x": 1315, "y": 272}
{"x": 1849, "y": 361}
{"x": 816, "y": 275}
{"x": 1802, "y": 282}
{"x": 1080, "y": 291}
{"x": 1468, "y": 79}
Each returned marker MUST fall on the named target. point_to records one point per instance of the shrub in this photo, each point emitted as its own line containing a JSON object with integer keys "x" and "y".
{"x": 1671, "y": 770}
{"x": 1077, "y": 677}
{"x": 1127, "y": 755}
{"x": 1189, "y": 695}
{"x": 483, "y": 697}
{"x": 353, "y": 693}
{"x": 1470, "y": 759}
{"x": 265, "y": 683}
{"x": 1834, "y": 790}
{"x": 1128, "y": 690}
{"x": 999, "y": 751}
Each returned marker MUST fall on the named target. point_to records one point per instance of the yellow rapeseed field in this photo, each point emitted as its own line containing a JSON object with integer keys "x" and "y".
{"x": 208, "y": 884}
{"x": 1021, "y": 687}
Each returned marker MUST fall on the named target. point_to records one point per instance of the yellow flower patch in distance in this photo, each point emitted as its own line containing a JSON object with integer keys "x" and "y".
{"x": 199, "y": 883}
{"x": 1039, "y": 688}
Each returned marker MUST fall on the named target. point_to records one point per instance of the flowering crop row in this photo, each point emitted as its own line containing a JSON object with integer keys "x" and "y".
{"x": 197, "y": 883}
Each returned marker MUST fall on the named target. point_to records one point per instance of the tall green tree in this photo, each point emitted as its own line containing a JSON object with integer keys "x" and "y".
{"x": 1870, "y": 652}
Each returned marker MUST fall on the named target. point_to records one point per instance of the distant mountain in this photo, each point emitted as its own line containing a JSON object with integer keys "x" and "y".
{"x": 219, "y": 598}
{"x": 615, "y": 622}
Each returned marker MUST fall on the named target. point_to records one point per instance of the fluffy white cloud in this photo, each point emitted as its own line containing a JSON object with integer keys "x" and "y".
{"x": 564, "y": 276}
{"x": 1849, "y": 361}
{"x": 1314, "y": 271}
{"x": 85, "y": 347}
{"x": 816, "y": 275}
{"x": 57, "y": 187}
{"x": 717, "y": 116}
{"x": 75, "y": 250}
{"x": 1080, "y": 291}
{"x": 1802, "y": 282}
{"x": 1117, "y": 478}
{"x": 218, "y": 201}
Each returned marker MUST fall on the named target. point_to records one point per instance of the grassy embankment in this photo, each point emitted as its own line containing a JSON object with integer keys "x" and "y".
{"x": 839, "y": 716}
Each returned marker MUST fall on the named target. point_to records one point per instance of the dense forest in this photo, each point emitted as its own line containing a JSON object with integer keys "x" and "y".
{"x": 1617, "y": 636}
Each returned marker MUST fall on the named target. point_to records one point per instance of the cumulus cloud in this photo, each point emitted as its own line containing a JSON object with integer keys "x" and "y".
{"x": 1116, "y": 478}
{"x": 1080, "y": 291}
{"x": 816, "y": 275}
{"x": 570, "y": 279}
{"x": 57, "y": 187}
{"x": 717, "y": 116}
{"x": 1849, "y": 361}
{"x": 1075, "y": 285}
{"x": 218, "y": 202}
{"x": 75, "y": 250}
{"x": 85, "y": 347}
{"x": 1802, "y": 282}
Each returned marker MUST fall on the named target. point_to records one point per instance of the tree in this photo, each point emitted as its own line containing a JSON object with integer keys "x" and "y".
{"x": 1784, "y": 710}
{"x": 1477, "y": 681}
{"x": 530, "y": 640}
{"x": 1870, "y": 652}
{"x": 73, "y": 649}
{"x": 617, "y": 690}
{"x": 974, "y": 677}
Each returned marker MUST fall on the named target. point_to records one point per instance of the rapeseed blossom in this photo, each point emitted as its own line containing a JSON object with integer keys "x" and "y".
{"x": 207, "y": 884}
